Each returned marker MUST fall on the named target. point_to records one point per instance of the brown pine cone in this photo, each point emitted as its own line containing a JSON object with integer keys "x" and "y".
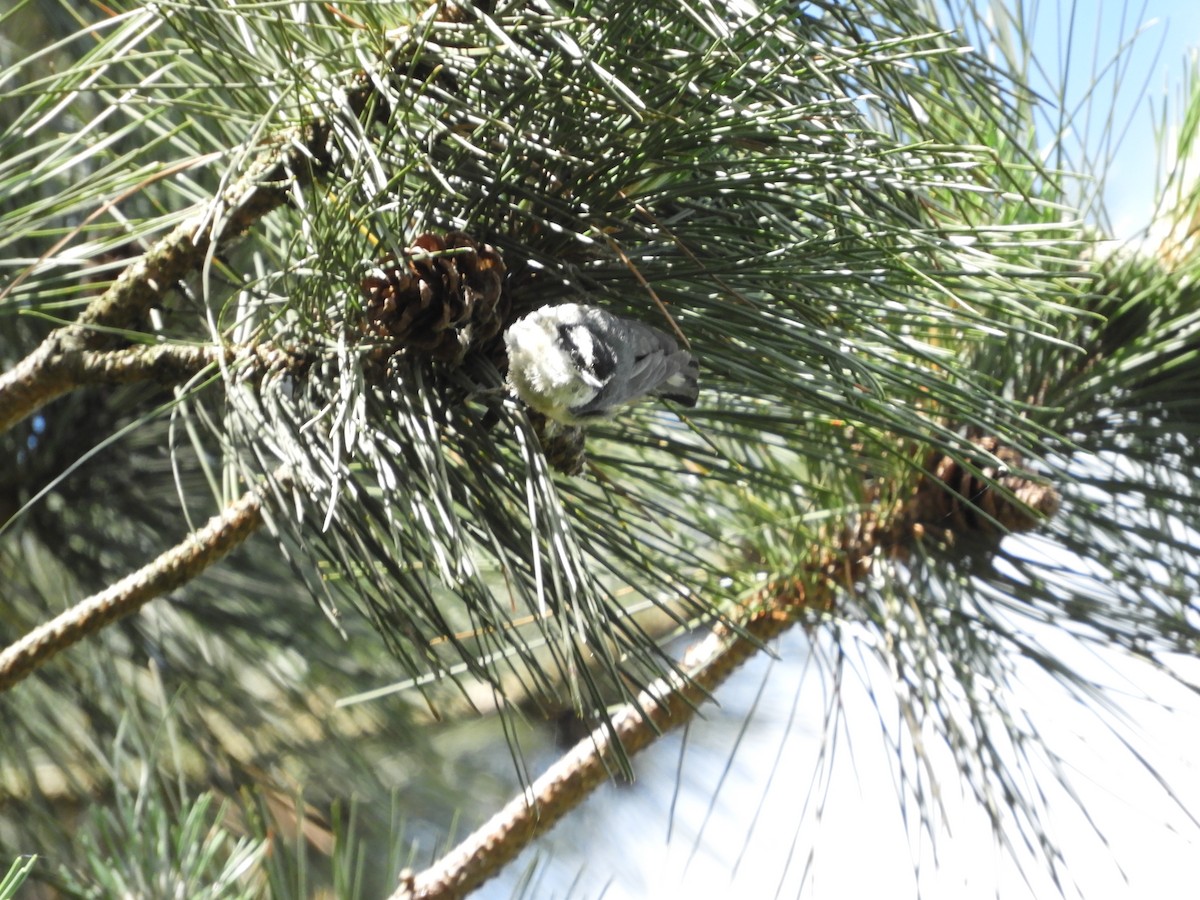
{"x": 955, "y": 501}
{"x": 443, "y": 297}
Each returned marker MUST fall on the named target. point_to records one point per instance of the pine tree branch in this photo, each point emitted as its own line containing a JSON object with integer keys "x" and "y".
{"x": 146, "y": 281}
{"x": 665, "y": 705}
{"x": 934, "y": 507}
{"x": 293, "y": 157}
{"x": 49, "y": 372}
{"x": 174, "y": 568}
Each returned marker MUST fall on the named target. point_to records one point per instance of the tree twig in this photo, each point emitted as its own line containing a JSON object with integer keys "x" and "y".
{"x": 172, "y": 569}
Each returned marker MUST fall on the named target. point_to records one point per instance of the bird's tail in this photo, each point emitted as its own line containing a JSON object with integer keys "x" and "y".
{"x": 682, "y": 386}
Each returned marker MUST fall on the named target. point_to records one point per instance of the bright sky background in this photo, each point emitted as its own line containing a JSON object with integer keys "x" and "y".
{"x": 667, "y": 842}
{"x": 1165, "y": 35}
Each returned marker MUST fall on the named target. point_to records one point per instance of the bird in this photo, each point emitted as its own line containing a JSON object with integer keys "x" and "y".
{"x": 575, "y": 363}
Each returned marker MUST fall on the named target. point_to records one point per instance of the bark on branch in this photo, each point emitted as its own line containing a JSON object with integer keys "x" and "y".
{"x": 172, "y": 569}
{"x": 48, "y": 373}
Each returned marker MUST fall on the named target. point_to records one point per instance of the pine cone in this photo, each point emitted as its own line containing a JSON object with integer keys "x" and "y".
{"x": 956, "y": 502}
{"x": 445, "y": 296}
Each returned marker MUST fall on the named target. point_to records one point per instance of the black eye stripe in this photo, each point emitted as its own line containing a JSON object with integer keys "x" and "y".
{"x": 567, "y": 338}
{"x": 606, "y": 361}
{"x": 591, "y": 355}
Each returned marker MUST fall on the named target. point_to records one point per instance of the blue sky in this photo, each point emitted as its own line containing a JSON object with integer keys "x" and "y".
{"x": 1136, "y": 54}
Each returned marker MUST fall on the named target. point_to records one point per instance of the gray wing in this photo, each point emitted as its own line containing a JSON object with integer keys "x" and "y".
{"x": 655, "y": 366}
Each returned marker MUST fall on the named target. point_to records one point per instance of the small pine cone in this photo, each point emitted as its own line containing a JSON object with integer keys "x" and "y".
{"x": 443, "y": 298}
{"x": 961, "y": 504}
{"x": 563, "y": 445}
